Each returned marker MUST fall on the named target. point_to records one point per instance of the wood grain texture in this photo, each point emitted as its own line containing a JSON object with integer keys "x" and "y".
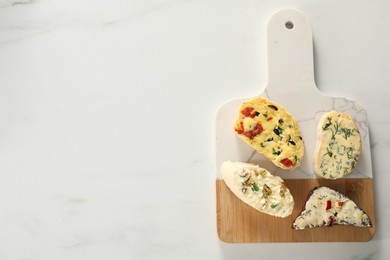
{"x": 237, "y": 222}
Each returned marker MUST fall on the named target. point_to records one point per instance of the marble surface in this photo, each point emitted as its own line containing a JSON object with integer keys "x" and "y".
{"x": 291, "y": 84}
{"x": 107, "y": 114}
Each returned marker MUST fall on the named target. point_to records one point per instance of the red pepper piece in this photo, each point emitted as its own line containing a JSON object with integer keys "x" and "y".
{"x": 328, "y": 205}
{"x": 340, "y": 203}
{"x": 269, "y": 118}
{"x": 240, "y": 130}
{"x": 287, "y": 162}
{"x": 257, "y": 129}
{"x": 247, "y": 111}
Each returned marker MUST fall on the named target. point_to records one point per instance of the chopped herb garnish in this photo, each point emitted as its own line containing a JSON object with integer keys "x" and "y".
{"x": 265, "y": 115}
{"x": 329, "y": 123}
{"x": 262, "y": 144}
{"x": 257, "y": 113}
{"x": 350, "y": 152}
{"x": 255, "y": 187}
{"x": 275, "y": 152}
{"x": 329, "y": 152}
{"x": 335, "y": 131}
{"x": 347, "y": 132}
{"x": 269, "y": 139}
{"x": 278, "y": 130}
{"x": 273, "y": 205}
{"x": 280, "y": 121}
{"x": 322, "y": 164}
{"x": 296, "y": 159}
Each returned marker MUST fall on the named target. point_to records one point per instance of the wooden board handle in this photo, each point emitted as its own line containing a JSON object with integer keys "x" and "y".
{"x": 291, "y": 85}
{"x": 290, "y": 53}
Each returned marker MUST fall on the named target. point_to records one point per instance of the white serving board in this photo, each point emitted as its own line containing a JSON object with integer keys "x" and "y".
{"x": 291, "y": 84}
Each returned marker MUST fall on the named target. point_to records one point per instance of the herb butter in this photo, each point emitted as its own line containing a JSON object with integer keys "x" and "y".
{"x": 338, "y": 146}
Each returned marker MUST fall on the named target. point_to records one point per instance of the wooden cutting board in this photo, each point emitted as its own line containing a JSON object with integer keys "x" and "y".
{"x": 291, "y": 84}
{"x": 237, "y": 222}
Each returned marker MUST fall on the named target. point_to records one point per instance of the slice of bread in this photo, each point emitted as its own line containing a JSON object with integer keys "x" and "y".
{"x": 338, "y": 146}
{"x": 272, "y": 131}
{"x": 258, "y": 188}
{"x": 327, "y": 207}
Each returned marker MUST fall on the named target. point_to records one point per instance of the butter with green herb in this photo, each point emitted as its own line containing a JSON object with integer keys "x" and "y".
{"x": 338, "y": 146}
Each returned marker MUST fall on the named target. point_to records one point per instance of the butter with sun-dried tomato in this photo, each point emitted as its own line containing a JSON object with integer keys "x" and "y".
{"x": 272, "y": 131}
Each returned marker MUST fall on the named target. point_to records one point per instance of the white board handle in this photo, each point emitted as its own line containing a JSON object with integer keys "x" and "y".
{"x": 290, "y": 53}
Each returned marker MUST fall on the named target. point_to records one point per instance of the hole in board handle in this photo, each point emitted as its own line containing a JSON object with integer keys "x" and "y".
{"x": 289, "y": 25}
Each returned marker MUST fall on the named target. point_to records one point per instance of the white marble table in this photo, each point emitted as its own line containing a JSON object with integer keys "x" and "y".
{"x": 107, "y": 113}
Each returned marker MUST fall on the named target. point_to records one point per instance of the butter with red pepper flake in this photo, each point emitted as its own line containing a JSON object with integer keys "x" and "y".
{"x": 272, "y": 131}
{"x": 327, "y": 207}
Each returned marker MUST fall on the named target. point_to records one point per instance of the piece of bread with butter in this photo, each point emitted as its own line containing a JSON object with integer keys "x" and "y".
{"x": 338, "y": 146}
{"x": 272, "y": 131}
{"x": 258, "y": 188}
{"x": 327, "y": 207}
